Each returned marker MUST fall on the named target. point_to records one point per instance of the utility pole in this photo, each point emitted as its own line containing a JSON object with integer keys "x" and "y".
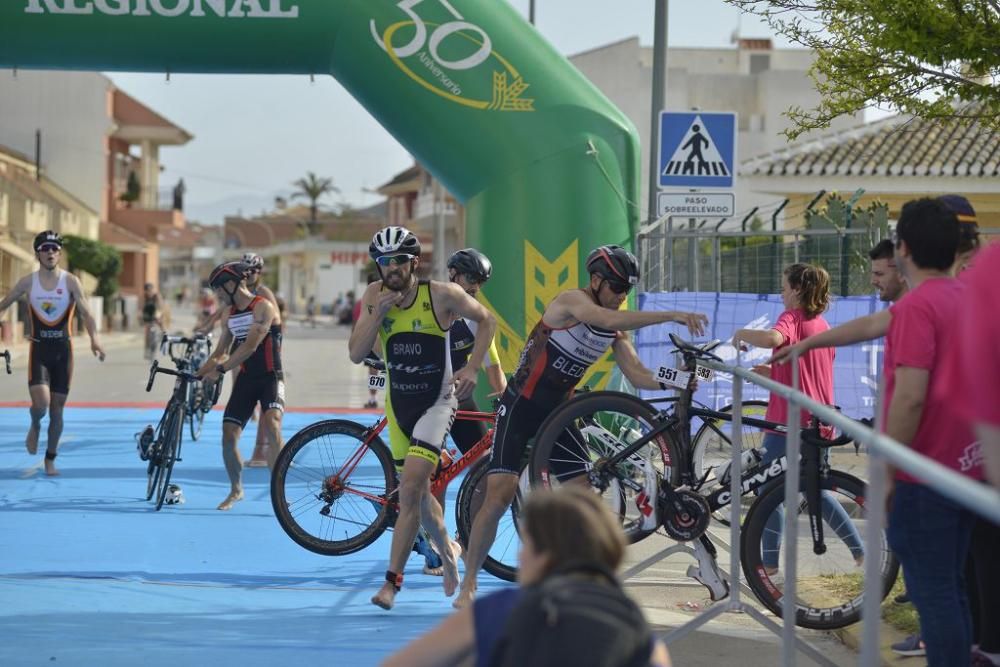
{"x": 658, "y": 101}
{"x": 440, "y": 259}
{"x": 531, "y": 12}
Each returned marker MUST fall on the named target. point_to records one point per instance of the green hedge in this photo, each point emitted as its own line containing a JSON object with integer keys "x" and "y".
{"x": 98, "y": 259}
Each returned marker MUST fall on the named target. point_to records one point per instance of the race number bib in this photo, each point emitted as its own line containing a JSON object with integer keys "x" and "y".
{"x": 376, "y": 382}
{"x": 673, "y": 377}
{"x": 705, "y": 374}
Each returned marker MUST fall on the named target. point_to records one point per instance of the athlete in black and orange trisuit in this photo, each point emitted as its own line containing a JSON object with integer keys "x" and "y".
{"x": 52, "y": 294}
{"x": 249, "y": 322}
{"x": 575, "y": 331}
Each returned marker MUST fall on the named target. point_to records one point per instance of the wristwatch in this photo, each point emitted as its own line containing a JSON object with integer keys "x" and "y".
{"x": 220, "y": 369}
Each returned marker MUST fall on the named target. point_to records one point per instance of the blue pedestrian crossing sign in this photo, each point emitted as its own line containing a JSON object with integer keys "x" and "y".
{"x": 697, "y": 149}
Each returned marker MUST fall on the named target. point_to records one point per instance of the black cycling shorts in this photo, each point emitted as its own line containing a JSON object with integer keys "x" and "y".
{"x": 51, "y": 364}
{"x": 267, "y": 390}
{"x": 518, "y": 421}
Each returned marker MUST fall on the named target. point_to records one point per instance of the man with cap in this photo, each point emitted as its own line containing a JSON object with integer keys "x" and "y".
{"x": 53, "y": 294}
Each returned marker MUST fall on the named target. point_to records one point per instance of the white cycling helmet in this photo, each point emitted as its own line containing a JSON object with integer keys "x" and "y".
{"x": 394, "y": 240}
{"x": 253, "y": 260}
{"x": 174, "y": 495}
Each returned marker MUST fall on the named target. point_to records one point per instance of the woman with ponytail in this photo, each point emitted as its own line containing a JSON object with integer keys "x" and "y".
{"x": 805, "y": 293}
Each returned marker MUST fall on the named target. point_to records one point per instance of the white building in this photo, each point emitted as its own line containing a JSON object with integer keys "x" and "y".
{"x": 753, "y": 79}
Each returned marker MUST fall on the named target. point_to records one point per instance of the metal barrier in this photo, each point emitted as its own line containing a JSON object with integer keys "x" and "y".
{"x": 882, "y": 451}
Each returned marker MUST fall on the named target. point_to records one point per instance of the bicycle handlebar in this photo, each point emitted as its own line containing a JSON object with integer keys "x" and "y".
{"x": 6, "y": 358}
{"x": 155, "y": 368}
{"x": 371, "y": 361}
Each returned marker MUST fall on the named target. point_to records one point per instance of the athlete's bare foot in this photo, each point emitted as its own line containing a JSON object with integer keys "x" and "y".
{"x": 386, "y": 597}
{"x": 439, "y": 571}
{"x": 50, "y": 468}
{"x": 449, "y": 563}
{"x": 464, "y": 599}
{"x": 231, "y": 499}
{"x": 31, "y": 440}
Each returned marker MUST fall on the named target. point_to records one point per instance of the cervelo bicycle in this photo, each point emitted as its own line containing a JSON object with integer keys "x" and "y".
{"x": 334, "y": 487}
{"x": 188, "y": 355}
{"x": 162, "y": 447}
{"x": 648, "y": 456}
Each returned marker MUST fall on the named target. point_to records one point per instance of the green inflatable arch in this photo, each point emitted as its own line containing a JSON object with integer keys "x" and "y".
{"x": 546, "y": 166}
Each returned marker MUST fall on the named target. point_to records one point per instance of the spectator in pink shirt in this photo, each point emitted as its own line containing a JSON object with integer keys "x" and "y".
{"x": 805, "y": 293}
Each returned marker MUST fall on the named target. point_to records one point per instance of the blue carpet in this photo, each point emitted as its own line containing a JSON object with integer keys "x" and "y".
{"x": 91, "y": 575}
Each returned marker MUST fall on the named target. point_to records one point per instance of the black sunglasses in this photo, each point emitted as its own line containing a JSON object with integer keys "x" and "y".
{"x": 617, "y": 287}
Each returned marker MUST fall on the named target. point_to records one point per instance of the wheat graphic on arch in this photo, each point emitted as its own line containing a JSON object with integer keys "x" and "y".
{"x": 507, "y": 97}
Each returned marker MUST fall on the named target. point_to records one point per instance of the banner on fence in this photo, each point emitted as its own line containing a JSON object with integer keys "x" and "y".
{"x": 856, "y": 368}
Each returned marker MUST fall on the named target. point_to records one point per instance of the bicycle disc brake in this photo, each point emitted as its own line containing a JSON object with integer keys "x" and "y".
{"x": 684, "y": 514}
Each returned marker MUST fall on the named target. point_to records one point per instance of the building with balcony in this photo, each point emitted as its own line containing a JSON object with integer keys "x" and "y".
{"x": 80, "y": 131}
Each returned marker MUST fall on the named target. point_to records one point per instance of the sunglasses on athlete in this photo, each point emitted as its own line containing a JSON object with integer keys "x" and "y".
{"x": 617, "y": 287}
{"x": 395, "y": 260}
{"x": 49, "y": 247}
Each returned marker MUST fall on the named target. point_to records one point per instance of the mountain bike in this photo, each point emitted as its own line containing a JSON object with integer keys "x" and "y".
{"x": 188, "y": 355}
{"x": 649, "y": 456}
{"x": 161, "y": 446}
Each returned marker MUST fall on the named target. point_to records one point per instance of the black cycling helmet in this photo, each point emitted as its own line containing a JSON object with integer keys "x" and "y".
{"x": 613, "y": 262}
{"x": 48, "y": 236}
{"x": 472, "y": 263}
{"x": 228, "y": 272}
{"x": 394, "y": 241}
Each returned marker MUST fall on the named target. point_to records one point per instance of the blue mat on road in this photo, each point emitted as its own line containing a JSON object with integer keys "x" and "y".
{"x": 91, "y": 575}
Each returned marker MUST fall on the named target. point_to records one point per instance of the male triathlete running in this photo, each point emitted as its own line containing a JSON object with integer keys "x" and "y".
{"x": 249, "y": 322}
{"x": 576, "y": 329}
{"x": 411, "y": 318}
{"x": 257, "y": 287}
{"x": 53, "y": 294}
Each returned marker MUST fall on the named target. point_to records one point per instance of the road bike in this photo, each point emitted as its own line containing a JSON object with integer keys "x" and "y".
{"x": 648, "y": 456}
{"x": 334, "y": 487}
{"x": 188, "y": 355}
{"x": 161, "y": 447}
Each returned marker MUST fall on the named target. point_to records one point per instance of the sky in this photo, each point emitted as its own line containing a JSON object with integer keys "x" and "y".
{"x": 254, "y": 135}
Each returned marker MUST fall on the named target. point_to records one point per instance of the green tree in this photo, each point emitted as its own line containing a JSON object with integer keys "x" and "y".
{"x": 932, "y": 59}
{"x": 313, "y": 188}
{"x": 98, "y": 259}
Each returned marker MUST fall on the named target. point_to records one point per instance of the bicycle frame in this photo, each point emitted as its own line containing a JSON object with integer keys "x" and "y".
{"x": 440, "y": 480}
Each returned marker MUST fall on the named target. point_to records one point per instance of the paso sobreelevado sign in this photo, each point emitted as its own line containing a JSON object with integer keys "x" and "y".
{"x": 251, "y": 9}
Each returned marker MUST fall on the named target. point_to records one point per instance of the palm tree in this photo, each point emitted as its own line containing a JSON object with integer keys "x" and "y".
{"x": 313, "y": 188}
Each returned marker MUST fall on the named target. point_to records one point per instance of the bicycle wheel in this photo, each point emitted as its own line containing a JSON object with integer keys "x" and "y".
{"x": 153, "y": 466}
{"x": 168, "y": 453}
{"x": 711, "y": 446}
{"x": 501, "y": 561}
{"x": 711, "y": 449}
{"x": 829, "y": 586}
{"x": 196, "y": 416}
{"x": 602, "y": 423}
{"x": 330, "y": 490}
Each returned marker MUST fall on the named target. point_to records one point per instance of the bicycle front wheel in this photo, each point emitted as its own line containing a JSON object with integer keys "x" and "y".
{"x": 168, "y": 454}
{"x": 829, "y": 587}
{"x": 501, "y": 561}
{"x": 332, "y": 487}
{"x": 586, "y": 431}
